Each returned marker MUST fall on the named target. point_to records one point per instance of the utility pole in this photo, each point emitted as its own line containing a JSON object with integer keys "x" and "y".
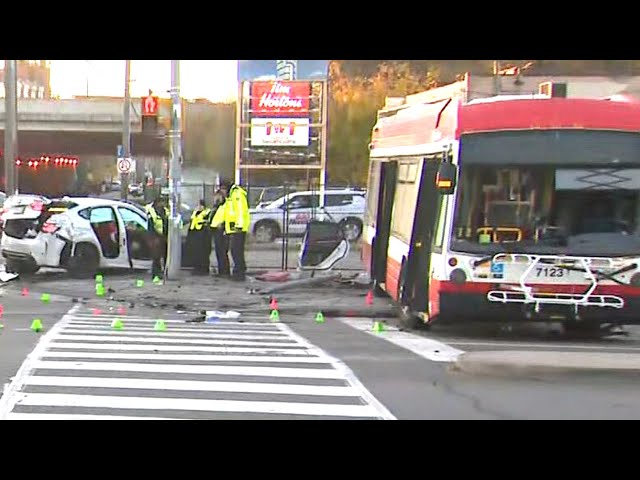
{"x": 10, "y": 126}
{"x": 174, "y": 252}
{"x": 126, "y": 128}
{"x": 497, "y": 80}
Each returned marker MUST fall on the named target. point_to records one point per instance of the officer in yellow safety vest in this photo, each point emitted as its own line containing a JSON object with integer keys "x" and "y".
{"x": 198, "y": 247}
{"x": 158, "y": 218}
{"x": 234, "y": 214}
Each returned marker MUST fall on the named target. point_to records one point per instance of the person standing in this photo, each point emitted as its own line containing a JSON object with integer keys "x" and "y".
{"x": 158, "y": 218}
{"x": 198, "y": 247}
{"x": 220, "y": 240}
{"x": 236, "y": 218}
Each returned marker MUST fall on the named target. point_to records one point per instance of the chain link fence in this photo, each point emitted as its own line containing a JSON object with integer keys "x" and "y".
{"x": 279, "y": 219}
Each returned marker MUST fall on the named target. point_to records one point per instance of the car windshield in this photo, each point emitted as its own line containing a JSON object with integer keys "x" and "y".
{"x": 570, "y": 209}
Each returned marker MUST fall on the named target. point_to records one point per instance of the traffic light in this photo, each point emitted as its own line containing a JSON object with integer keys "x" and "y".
{"x": 150, "y": 110}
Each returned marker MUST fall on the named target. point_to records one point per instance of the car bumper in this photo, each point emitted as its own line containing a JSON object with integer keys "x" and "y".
{"x": 44, "y": 250}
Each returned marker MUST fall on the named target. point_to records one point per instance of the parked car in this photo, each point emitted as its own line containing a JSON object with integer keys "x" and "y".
{"x": 80, "y": 234}
{"x": 344, "y": 206}
{"x": 136, "y": 189}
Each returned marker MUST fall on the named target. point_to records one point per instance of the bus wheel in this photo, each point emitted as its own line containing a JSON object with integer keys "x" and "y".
{"x": 407, "y": 318}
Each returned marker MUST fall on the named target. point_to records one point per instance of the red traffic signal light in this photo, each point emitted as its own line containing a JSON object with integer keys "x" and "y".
{"x": 150, "y": 105}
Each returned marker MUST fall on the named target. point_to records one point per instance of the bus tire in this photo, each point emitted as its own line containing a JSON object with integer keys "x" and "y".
{"x": 406, "y": 316}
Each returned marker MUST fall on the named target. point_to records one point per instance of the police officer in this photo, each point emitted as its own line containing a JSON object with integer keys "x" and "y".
{"x": 220, "y": 239}
{"x": 198, "y": 247}
{"x": 158, "y": 218}
{"x": 235, "y": 215}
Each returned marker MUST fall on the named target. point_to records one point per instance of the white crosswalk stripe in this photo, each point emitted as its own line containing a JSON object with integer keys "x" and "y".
{"x": 84, "y": 369}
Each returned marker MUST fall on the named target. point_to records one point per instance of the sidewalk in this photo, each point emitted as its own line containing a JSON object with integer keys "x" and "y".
{"x": 528, "y": 363}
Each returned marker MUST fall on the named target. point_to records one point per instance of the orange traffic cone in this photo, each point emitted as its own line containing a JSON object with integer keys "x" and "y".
{"x": 273, "y": 305}
{"x": 369, "y": 298}
{"x": 25, "y": 291}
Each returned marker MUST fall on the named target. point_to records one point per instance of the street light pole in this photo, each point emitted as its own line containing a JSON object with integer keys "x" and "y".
{"x": 126, "y": 128}
{"x": 174, "y": 251}
{"x": 10, "y": 126}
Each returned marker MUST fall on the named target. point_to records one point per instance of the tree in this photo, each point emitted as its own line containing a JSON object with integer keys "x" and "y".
{"x": 353, "y": 105}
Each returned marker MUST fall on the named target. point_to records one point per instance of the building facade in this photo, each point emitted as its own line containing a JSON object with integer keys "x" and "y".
{"x": 34, "y": 79}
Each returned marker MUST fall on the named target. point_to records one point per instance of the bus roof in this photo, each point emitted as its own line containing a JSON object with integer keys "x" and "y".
{"x": 422, "y": 123}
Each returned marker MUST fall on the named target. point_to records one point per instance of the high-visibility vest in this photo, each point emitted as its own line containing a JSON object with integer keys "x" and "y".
{"x": 236, "y": 210}
{"x": 158, "y": 223}
{"x": 199, "y": 218}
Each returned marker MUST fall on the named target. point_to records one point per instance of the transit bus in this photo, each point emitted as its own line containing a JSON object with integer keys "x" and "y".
{"x": 506, "y": 208}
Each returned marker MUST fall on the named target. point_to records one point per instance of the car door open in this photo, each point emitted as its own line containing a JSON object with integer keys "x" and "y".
{"x": 138, "y": 237}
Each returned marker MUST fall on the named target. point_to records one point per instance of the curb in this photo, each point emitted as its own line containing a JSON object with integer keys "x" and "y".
{"x": 522, "y": 363}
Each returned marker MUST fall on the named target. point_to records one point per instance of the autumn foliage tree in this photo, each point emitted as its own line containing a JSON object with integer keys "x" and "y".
{"x": 353, "y": 105}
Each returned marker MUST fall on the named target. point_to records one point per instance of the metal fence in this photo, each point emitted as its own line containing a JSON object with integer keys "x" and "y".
{"x": 281, "y": 250}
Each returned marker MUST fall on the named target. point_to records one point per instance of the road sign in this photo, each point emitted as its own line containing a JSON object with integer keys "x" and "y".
{"x": 120, "y": 151}
{"x": 150, "y": 105}
{"x": 124, "y": 165}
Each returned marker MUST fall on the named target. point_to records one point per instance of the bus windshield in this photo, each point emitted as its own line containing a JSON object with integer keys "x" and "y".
{"x": 547, "y": 207}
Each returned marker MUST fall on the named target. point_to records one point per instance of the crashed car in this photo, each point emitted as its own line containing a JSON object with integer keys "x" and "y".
{"x": 82, "y": 235}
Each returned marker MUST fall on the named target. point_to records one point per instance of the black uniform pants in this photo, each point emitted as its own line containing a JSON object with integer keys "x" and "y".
{"x": 237, "y": 241}
{"x": 159, "y": 255}
{"x": 221, "y": 246}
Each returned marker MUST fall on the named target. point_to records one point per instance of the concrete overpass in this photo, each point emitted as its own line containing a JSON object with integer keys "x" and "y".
{"x": 82, "y": 127}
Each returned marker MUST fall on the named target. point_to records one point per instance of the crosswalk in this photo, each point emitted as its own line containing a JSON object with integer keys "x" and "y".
{"x": 84, "y": 369}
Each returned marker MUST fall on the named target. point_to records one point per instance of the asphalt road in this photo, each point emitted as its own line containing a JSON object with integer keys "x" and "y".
{"x": 293, "y": 369}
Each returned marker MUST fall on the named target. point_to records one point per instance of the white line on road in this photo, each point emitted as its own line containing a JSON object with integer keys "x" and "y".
{"x": 240, "y": 406}
{"x": 425, "y": 347}
{"x": 8, "y": 399}
{"x": 64, "y": 416}
{"x": 348, "y": 374}
{"x": 193, "y": 369}
{"x": 195, "y": 357}
{"x": 135, "y": 319}
{"x": 161, "y": 339}
{"x": 175, "y": 348}
{"x": 173, "y": 334}
{"x": 193, "y": 385}
{"x": 107, "y": 325}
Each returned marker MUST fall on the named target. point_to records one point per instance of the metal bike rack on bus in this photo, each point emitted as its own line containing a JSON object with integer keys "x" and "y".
{"x": 524, "y": 294}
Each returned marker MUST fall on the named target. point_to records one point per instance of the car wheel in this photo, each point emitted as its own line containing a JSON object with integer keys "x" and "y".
{"x": 85, "y": 261}
{"x": 352, "y": 228}
{"x": 20, "y": 267}
{"x": 265, "y": 232}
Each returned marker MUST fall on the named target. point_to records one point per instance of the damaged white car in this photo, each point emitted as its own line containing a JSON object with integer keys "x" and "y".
{"x": 82, "y": 235}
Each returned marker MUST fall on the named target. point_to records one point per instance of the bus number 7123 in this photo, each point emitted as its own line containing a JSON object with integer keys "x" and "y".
{"x": 550, "y": 272}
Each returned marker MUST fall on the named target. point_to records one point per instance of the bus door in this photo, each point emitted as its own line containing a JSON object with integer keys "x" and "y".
{"x": 424, "y": 225}
{"x": 386, "y": 194}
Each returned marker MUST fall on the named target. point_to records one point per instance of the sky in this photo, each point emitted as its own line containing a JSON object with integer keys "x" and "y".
{"x": 215, "y": 80}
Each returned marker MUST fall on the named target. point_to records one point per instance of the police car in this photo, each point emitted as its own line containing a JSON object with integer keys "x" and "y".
{"x": 344, "y": 206}
{"x": 82, "y": 235}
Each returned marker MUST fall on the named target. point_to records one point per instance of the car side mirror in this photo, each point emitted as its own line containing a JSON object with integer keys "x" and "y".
{"x": 446, "y": 178}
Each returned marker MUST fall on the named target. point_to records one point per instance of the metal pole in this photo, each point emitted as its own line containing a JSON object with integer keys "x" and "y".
{"x": 323, "y": 145}
{"x": 126, "y": 128}
{"x": 239, "y": 117}
{"x": 10, "y": 126}
{"x": 497, "y": 80}
{"x": 174, "y": 254}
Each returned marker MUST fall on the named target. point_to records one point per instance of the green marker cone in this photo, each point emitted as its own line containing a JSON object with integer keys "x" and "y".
{"x": 319, "y": 317}
{"x": 378, "y": 327}
{"x": 157, "y": 279}
{"x": 160, "y": 326}
{"x": 275, "y": 316}
{"x": 45, "y": 297}
{"x": 100, "y": 290}
{"x": 139, "y": 283}
{"x": 36, "y": 325}
{"x": 117, "y": 324}
{"x": 99, "y": 278}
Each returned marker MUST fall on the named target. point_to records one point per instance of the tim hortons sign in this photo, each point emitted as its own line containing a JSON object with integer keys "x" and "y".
{"x": 269, "y": 99}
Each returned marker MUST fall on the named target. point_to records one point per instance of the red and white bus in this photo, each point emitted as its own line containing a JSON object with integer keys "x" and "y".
{"x": 506, "y": 208}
